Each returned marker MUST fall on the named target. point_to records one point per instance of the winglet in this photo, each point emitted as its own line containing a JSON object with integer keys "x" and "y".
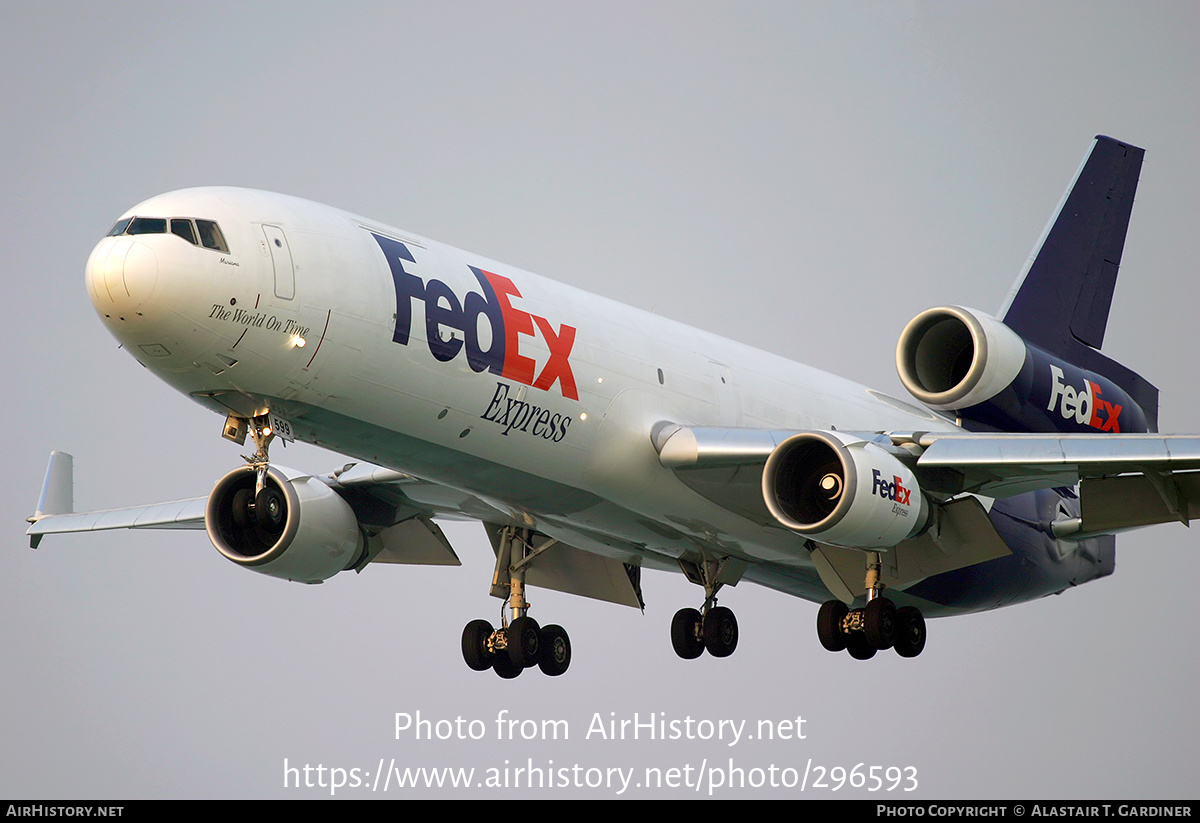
{"x": 58, "y": 491}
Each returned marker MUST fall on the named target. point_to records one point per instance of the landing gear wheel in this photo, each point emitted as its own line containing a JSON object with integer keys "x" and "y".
{"x": 720, "y": 632}
{"x": 270, "y": 510}
{"x": 859, "y": 647}
{"x": 554, "y": 651}
{"x": 879, "y": 623}
{"x": 523, "y": 642}
{"x": 243, "y": 508}
{"x": 910, "y": 631}
{"x": 474, "y": 645}
{"x": 829, "y": 625}
{"x": 685, "y": 634}
{"x": 504, "y": 667}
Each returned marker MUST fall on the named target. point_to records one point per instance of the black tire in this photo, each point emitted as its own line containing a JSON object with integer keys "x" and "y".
{"x": 242, "y": 508}
{"x": 859, "y": 647}
{"x": 685, "y": 634}
{"x": 879, "y": 623}
{"x": 523, "y": 642}
{"x": 270, "y": 510}
{"x": 910, "y": 631}
{"x": 829, "y": 625}
{"x": 720, "y": 632}
{"x": 474, "y": 645}
{"x": 554, "y": 651}
{"x": 504, "y": 667}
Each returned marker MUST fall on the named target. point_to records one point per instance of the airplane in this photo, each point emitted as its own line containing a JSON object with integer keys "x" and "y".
{"x": 593, "y": 440}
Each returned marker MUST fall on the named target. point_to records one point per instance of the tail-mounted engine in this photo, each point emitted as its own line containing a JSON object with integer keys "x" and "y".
{"x": 844, "y": 491}
{"x": 296, "y": 527}
{"x": 963, "y": 360}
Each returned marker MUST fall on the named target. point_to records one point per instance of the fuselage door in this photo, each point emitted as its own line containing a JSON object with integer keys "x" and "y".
{"x": 281, "y": 259}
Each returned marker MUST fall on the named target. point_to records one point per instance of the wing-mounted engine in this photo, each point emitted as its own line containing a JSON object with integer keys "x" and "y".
{"x": 843, "y": 490}
{"x": 296, "y": 528}
{"x": 963, "y": 360}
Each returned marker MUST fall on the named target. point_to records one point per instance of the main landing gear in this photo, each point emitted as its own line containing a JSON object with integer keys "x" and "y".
{"x": 519, "y": 643}
{"x": 878, "y": 627}
{"x": 710, "y": 628}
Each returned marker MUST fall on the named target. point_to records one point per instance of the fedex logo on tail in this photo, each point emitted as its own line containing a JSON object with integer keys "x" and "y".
{"x": 490, "y": 307}
{"x": 1085, "y": 406}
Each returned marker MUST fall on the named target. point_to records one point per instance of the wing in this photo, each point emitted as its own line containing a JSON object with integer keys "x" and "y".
{"x": 380, "y": 515}
{"x": 56, "y": 512}
{"x": 1126, "y": 481}
{"x": 397, "y": 529}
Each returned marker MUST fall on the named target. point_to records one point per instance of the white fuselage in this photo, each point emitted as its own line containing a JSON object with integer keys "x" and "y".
{"x": 301, "y": 316}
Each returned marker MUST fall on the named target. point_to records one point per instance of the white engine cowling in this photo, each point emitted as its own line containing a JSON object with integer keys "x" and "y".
{"x": 842, "y": 490}
{"x": 954, "y": 358}
{"x": 296, "y": 528}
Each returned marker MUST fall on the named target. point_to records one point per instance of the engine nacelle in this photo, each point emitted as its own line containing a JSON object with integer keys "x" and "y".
{"x": 843, "y": 490}
{"x": 953, "y": 358}
{"x": 296, "y": 528}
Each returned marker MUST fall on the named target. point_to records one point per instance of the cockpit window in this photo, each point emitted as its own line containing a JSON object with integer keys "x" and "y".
{"x": 204, "y": 233}
{"x": 147, "y": 225}
{"x": 119, "y": 227}
{"x": 210, "y": 236}
{"x": 183, "y": 228}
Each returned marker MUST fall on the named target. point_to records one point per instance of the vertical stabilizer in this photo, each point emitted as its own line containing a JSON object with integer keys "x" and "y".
{"x": 1062, "y": 297}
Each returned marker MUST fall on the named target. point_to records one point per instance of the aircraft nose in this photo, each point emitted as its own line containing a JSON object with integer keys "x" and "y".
{"x": 121, "y": 275}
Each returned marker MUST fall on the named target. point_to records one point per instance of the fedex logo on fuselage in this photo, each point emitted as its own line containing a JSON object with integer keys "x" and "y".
{"x": 1084, "y": 407}
{"x": 491, "y": 307}
{"x": 894, "y": 491}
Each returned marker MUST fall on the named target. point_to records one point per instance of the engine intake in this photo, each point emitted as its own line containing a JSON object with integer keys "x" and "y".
{"x": 953, "y": 357}
{"x": 296, "y": 528}
{"x": 843, "y": 490}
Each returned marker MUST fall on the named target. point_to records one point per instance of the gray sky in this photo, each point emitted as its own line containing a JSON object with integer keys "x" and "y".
{"x": 804, "y": 177}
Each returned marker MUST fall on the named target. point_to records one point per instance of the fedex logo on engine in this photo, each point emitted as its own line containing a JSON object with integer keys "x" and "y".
{"x": 1084, "y": 407}
{"x": 490, "y": 308}
{"x": 894, "y": 491}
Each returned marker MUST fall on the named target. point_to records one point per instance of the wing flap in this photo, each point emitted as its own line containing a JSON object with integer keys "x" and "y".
{"x": 1112, "y": 504}
{"x": 418, "y": 541}
{"x": 1000, "y": 465}
{"x": 962, "y": 535}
